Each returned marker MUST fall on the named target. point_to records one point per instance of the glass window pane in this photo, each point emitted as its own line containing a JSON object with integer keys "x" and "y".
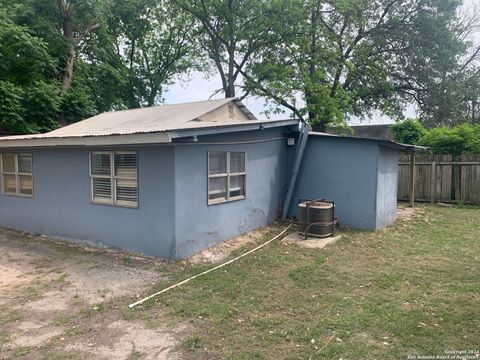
{"x": 237, "y": 185}
{"x": 26, "y": 184}
{"x": 100, "y": 164}
{"x": 126, "y": 165}
{"x": 237, "y": 162}
{"x": 102, "y": 189}
{"x": 217, "y": 162}
{"x": 127, "y": 191}
{"x": 9, "y": 184}
{"x": 217, "y": 188}
{"x": 8, "y": 163}
{"x": 24, "y": 163}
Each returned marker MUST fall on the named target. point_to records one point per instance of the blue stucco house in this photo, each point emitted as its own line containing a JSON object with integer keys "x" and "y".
{"x": 174, "y": 179}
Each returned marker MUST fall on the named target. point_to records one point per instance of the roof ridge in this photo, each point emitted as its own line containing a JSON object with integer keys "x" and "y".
{"x": 176, "y": 104}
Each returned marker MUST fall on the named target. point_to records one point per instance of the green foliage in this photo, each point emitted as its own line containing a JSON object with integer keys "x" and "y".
{"x": 78, "y": 104}
{"x": 124, "y": 54}
{"x": 324, "y": 61}
{"x": 24, "y": 57}
{"x": 408, "y": 131}
{"x": 29, "y": 97}
{"x": 231, "y": 34}
{"x": 155, "y": 44}
{"x": 463, "y": 139}
{"x": 42, "y": 102}
{"x": 350, "y": 57}
{"x": 11, "y": 109}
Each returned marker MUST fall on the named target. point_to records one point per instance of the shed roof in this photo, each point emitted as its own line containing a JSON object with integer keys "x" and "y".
{"x": 157, "y": 124}
{"x": 382, "y": 142}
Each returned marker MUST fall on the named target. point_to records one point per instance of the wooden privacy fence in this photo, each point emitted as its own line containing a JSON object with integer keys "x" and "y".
{"x": 438, "y": 178}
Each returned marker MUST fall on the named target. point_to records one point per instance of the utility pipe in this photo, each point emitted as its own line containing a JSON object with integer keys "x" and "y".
{"x": 302, "y": 142}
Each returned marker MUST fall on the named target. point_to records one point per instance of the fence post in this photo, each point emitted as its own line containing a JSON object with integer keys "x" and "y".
{"x": 412, "y": 179}
{"x": 433, "y": 183}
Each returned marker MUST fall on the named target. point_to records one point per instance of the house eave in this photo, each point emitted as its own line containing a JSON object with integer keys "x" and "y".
{"x": 163, "y": 137}
{"x": 257, "y": 125}
{"x": 110, "y": 140}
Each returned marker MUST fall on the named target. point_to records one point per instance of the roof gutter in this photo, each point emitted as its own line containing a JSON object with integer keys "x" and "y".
{"x": 302, "y": 142}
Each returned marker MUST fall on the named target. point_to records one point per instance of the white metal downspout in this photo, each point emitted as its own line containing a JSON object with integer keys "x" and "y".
{"x": 302, "y": 142}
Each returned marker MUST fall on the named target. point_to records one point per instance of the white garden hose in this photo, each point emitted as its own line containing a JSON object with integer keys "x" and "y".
{"x": 210, "y": 270}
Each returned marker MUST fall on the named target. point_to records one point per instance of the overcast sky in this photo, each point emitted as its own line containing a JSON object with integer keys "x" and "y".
{"x": 197, "y": 87}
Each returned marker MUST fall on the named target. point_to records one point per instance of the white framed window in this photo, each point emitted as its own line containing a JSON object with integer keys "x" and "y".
{"x": 17, "y": 174}
{"x": 227, "y": 176}
{"x": 114, "y": 178}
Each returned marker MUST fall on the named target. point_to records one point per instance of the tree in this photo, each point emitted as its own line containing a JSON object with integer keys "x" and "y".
{"x": 154, "y": 41}
{"x": 454, "y": 93}
{"x": 63, "y": 26}
{"x": 29, "y": 96}
{"x": 408, "y": 131}
{"x": 350, "y": 57}
{"x": 77, "y": 58}
{"x": 232, "y": 32}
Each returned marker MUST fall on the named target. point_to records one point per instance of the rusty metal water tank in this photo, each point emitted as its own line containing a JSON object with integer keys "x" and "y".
{"x": 316, "y": 218}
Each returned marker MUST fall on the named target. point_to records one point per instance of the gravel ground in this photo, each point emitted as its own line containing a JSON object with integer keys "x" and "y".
{"x": 64, "y": 300}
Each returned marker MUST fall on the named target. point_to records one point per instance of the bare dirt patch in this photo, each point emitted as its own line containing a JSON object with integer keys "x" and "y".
{"x": 223, "y": 250}
{"x": 131, "y": 337}
{"x": 406, "y": 213}
{"x": 63, "y": 299}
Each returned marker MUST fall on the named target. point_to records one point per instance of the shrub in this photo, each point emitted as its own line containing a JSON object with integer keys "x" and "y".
{"x": 408, "y": 131}
{"x": 462, "y": 139}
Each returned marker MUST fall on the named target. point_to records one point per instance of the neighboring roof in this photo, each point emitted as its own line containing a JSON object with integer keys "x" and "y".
{"x": 379, "y": 131}
{"x": 376, "y": 131}
{"x": 382, "y": 142}
{"x": 159, "y": 124}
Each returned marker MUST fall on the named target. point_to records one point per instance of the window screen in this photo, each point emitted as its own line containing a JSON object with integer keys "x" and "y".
{"x": 17, "y": 174}
{"x": 226, "y": 176}
{"x": 114, "y": 178}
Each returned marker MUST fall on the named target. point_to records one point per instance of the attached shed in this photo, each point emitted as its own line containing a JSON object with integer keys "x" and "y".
{"x": 358, "y": 174}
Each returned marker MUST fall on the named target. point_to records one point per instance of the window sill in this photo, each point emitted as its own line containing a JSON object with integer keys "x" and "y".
{"x": 106, "y": 203}
{"x": 222, "y": 201}
{"x": 18, "y": 196}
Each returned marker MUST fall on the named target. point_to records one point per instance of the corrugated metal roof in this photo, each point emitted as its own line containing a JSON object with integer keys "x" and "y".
{"x": 144, "y": 120}
{"x": 154, "y": 125}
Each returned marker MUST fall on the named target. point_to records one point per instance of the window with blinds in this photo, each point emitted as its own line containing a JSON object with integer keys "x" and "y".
{"x": 17, "y": 174}
{"x": 114, "y": 178}
{"x": 226, "y": 176}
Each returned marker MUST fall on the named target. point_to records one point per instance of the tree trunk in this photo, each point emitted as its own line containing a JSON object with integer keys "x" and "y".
{"x": 66, "y": 10}
{"x": 67, "y": 79}
{"x": 68, "y": 74}
{"x": 230, "y": 90}
{"x": 67, "y": 26}
{"x": 474, "y": 104}
{"x": 320, "y": 127}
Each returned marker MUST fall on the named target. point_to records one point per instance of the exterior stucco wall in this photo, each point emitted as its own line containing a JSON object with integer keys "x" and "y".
{"x": 174, "y": 220}
{"x": 199, "y": 225}
{"x": 61, "y": 205}
{"x": 387, "y": 187}
{"x": 343, "y": 170}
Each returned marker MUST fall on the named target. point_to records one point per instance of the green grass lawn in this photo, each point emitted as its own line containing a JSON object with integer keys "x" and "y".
{"x": 412, "y": 289}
